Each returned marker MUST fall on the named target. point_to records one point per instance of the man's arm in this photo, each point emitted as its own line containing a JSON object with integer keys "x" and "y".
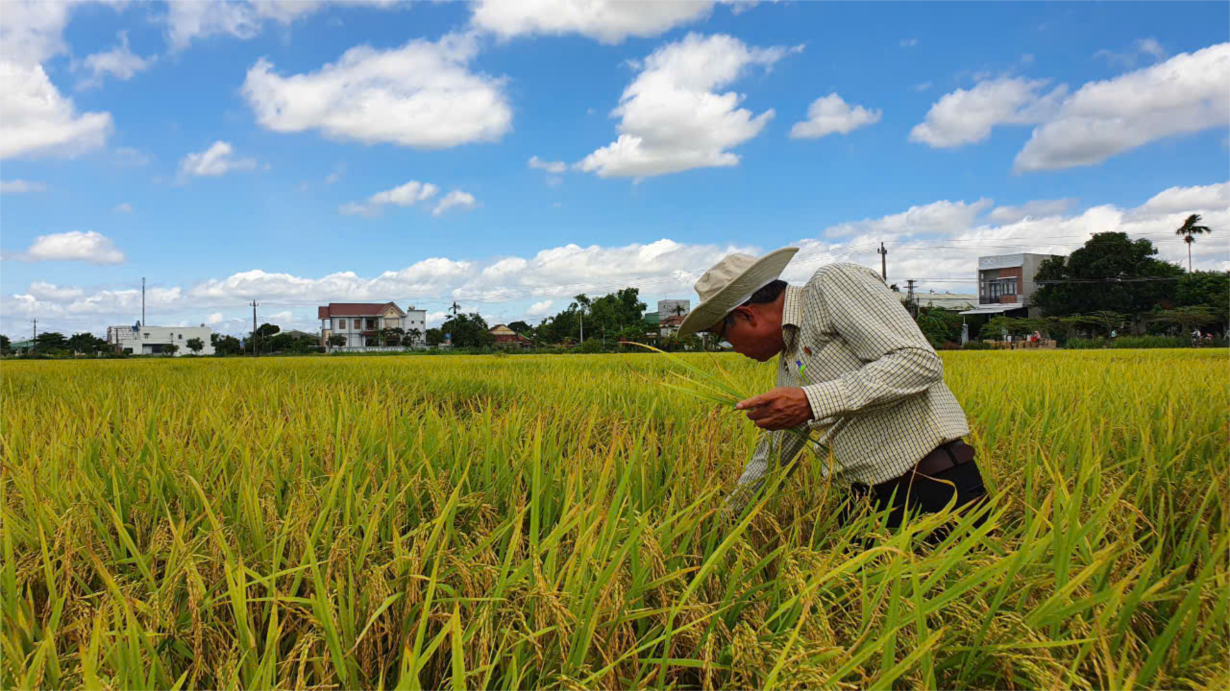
{"x": 869, "y": 317}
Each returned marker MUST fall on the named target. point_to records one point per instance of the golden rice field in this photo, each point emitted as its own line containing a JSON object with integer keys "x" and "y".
{"x": 554, "y": 521}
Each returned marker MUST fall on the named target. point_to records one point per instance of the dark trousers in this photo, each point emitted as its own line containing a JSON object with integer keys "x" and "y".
{"x": 914, "y": 493}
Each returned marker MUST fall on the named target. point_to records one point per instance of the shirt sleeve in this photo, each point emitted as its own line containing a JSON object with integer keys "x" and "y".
{"x": 898, "y": 360}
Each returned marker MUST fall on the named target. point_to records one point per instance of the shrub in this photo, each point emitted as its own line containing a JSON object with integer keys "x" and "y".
{"x": 977, "y": 345}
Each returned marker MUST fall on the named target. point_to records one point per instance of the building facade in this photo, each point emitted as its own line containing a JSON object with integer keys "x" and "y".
{"x": 1006, "y": 283}
{"x": 153, "y": 340}
{"x": 507, "y": 338}
{"x": 358, "y": 322}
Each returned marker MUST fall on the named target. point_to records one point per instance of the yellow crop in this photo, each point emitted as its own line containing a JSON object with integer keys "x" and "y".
{"x": 554, "y": 521}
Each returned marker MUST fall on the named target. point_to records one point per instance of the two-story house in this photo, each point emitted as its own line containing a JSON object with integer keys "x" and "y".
{"x": 358, "y": 322}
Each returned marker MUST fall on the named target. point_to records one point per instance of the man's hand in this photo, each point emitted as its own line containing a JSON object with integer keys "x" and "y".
{"x": 782, "y": 408}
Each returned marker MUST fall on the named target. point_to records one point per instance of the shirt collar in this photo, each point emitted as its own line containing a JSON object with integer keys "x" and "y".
{"x": 792, "y": 307}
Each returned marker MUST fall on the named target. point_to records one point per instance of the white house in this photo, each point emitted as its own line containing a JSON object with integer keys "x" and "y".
{"x": 358, "y": 322}
{"x": 151, "y": 340}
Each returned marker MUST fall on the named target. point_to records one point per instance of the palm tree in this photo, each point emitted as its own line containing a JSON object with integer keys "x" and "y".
{"x": 412, "y": 337}
{"x": 1189, "y": 230}
{"x": 455, "y": 309}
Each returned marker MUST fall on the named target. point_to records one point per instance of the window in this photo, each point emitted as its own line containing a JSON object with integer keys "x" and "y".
{"x": 181, "y": 337}
{"x": 147, "y": 334}
{"x": 357, "y": 324}
{"x": 371, "y": 323}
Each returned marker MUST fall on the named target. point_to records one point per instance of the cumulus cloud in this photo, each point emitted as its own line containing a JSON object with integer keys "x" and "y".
{"x": 607, "y": 21}
{"x": 940, "y": 217}
{"x": 75, "y": 245}
{"x": 39, "y": 121}
{"x": 422, "y": 95}
{"x": 549, "y": 166}
{"x": 1185, "y": 200}
{"x": 21, "y": 187}
{"x": 215, "y": 318}
{"x": 242, "y": 19}
{"x": 832, "y": 115}
{"x": 539, "y": 309}
{"x": 454, "y": 200}
{"x": 1187, "y": 93}
{"x": 403, "y": 195}
{"x": 119, "y": 62}
{"x": 214, "y": 161}
{"x": 42, "y": 290}
{"x": 1041, "y": 208}
{"x": 672, "y": 120}
{"x": 919, "y": 88}
{"x": 966, "y": 116}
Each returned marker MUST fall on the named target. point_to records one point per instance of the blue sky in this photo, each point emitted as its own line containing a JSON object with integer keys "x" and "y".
{"x": 302, "y": 152}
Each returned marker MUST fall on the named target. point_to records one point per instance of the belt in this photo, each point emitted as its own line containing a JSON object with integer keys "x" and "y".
{"x": 945, "y": 457}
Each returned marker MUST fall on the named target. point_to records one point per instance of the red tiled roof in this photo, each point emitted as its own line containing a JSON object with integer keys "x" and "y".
{"x": 672, "y": 320}
{"x": 354, "y": 309}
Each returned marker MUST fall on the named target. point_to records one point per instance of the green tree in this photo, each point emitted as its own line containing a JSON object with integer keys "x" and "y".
{"x": 5, "y": 345}
{"x": 434, "y": 337}
{"x": 1210, "y": 289}
{"x": 170, "y": 349}
{"x": 468, "y": 330}
{"x": 412, "y": 337}
{"x": 86, "y": 342}
{"x": 337, "y": 340}
{"x": 50, "y": 341}
{"x": 196, "y": 345}
{"x": 225, "y": 345}
{"x": 394, "y": 335}
{"x": 1105, "y": 256}
{"x": 1189, "y": 230}
{"x": 1186, "y": 318}
{"x": 521, "y": 327}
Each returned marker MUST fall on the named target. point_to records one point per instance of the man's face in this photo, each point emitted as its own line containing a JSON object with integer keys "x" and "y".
{"x": 751, "y": 333}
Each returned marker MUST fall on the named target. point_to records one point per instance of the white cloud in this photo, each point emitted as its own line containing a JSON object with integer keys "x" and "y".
{"x": 967, "y": 116}
{"x": 403, "y": 195}
{"x": 214, "y": 161}
{"x": 832, "y": 115}
{"x": 337, "y": 174}
{"x": 607, "y": 21}
{"x": 935, "y": 218}
{"x": 1184, "y": 200}
{"x": 539, "y": 309}
{"x": 279, "y": 317}
{"x": 422, "y": 94}
{"x": 1188, "y": 93}
{"x": 215, "y": 318}
{"x": 189, "y": 20}
{"x": 49, "y": 291}
{"x": 21, "y": 187}
{"x": 436, "y": 318}
{"x": 672, "y": 121}
{"x": 1129, "y": 58}
{"x": 549, "y": 166}
{"x": 75, "y": 245}
{"x": 119, "y": 62}
{"x": 1027, "y": 59}
{"x": 909, "y": 42}
{"x": 39, "y": 121}
{"x": 454, "y": 199}
{"x": 921, "y": 87}
{"x": 1041, "y": 208}
{"x": 124, "y": 208}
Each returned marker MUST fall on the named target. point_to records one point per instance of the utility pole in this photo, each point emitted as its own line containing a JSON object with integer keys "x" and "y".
{"x": 883, "y": 262}
{"x": 254, "y": 328}
{"x": 34, "y": 339}
{"x": 582, "y": 323}
{"x": 909, "y": 298}
{"x": 142, "y": 301}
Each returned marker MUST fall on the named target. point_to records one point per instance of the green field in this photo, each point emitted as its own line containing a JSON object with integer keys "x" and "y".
{"x": 553, "y": 521}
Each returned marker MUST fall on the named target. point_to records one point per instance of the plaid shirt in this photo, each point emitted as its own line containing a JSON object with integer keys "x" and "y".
{"x": 874, "y": 383}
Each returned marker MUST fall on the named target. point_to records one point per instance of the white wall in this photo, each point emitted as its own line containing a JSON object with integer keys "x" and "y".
{"x": 142, "y": 342}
